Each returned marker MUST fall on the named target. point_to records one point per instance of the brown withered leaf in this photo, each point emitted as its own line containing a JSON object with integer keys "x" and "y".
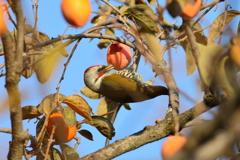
{"x": 216, "y": 27}
{"x": 30, "y": 112}
{"x": 68, "y": 116}
{"x": 106, "y": 105}
{"x": 86, "y": 134}
{"x": 207, "y": 62}
{"x": 89, "y": 93}
{"x": 103, "y": 125}
{"x": 68, "y": 152}
{"x": 226, "y": 77}
{"x": 27, "y": 60}
{"x": 79, "y": 105}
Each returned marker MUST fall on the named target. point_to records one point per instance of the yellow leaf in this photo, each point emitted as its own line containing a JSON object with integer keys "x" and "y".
{"x": 207, "y": 62}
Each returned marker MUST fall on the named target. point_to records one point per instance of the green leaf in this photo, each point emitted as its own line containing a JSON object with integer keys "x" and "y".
{"x": 56, "y": 154}
{"x": 86, "y": 134}
{"x": 217, "y": 25}
{"x": 103, "y": 125}
{"x": 68, "y": 116}
{"x": 143, "y": 21}
{"x": 207, "y": 62}
{"x": 68, "y": 152}
{"x": 30, "y": 112}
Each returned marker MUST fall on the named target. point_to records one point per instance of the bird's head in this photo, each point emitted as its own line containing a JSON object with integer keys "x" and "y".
{"x": 93, "y": 76}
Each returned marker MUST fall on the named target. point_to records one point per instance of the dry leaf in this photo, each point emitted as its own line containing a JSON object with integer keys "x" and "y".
{"x": 90, "y": 94}
{"x": 79, "y": 105}
{"x": 30, "y": 112}
{"x": 216, "y": 27}
{"x": 86, "y": 134}
{"x": 190, "y": 61}
{"x": 127, "y": 106}
{"x": 106, "y": 105}
{"x": 103, "y": 125}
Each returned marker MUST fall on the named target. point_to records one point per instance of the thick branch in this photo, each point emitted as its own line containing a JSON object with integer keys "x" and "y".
{"x": 13, "y": 66}
{"x": 147, "y": 135}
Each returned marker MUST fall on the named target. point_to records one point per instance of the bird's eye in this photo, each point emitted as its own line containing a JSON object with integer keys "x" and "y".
{"x": 100, "y": 69}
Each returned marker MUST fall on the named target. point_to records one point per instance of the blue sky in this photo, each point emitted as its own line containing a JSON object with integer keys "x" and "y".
{"x": 87, "y": 54}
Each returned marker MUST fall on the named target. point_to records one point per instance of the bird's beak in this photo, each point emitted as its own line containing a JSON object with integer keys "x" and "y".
{"x": 108, "y": 68}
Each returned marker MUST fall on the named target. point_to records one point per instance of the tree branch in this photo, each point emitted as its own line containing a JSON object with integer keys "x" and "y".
{"x": 147, "y": 135}
{"x": 13, "y": 67}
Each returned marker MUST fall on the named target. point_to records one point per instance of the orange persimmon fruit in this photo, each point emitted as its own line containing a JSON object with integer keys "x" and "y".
{"x": 119, "y": 55}
{"x": 172, "y": 145}
{"x": 234, "y": 51}
{"x": 189, "y": 11}
{"x": 63, "y": 132}
{"x": 76, "y": 12}
{"x": 2, "y": 21}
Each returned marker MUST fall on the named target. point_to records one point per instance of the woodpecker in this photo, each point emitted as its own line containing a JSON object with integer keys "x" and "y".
{"x": 121, "y": 86}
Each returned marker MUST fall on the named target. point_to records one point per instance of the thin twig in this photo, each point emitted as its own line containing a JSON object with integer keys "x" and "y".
{"x": 10, "y": 17}
{"x": 211, "y": 4}
{"x": 2, "y": 65}
{"x": 50, "y": 142}
{"x": 35, "y": 32}
{"x": 66, "y": 64}
{"x": 78, "y": 142}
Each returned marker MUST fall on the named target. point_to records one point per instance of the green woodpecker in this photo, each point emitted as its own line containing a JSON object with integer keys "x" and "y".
{"x": 121, "y": 86}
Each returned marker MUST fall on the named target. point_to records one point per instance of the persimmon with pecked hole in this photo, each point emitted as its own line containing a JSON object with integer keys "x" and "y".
{"x": 119, "y": 55}
{"x": 190, "y": 11}
{"x": 172, "y": 145}
{"x": 76, "y": 12}
{"x": 63, "y": 132}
